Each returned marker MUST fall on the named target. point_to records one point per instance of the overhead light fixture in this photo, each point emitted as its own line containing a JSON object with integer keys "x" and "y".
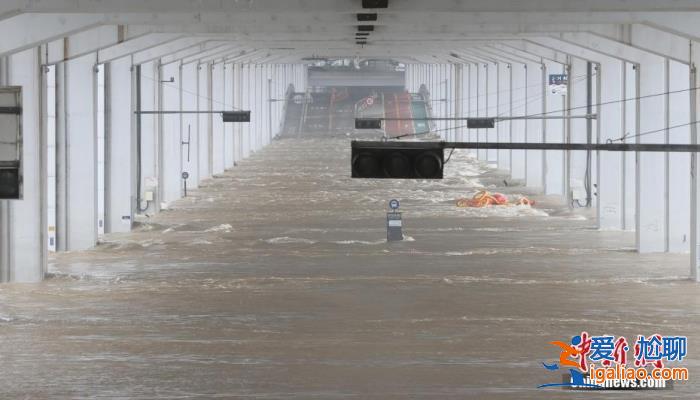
{"x": 375, "y": 3}
{"x": 365, "y": 28}
{"x": 362, "y": 17}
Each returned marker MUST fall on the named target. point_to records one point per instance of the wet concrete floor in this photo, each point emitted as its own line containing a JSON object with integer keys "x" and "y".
{"x": 274, "y": 281}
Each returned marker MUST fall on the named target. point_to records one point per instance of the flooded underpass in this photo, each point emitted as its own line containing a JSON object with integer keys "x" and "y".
{"x": 275, "y": 280}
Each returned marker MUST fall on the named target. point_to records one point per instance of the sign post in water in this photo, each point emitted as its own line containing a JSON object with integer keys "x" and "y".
{"x": 393, "y": 222}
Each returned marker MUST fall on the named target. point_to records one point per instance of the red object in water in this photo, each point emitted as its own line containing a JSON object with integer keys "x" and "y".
{"x": 500, "y": 198}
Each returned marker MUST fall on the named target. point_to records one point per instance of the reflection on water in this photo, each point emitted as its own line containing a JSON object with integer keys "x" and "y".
{"x": 274, "y": 281}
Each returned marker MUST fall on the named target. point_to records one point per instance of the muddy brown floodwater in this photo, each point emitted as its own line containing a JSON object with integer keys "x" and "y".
{"x": 274, "y": 281}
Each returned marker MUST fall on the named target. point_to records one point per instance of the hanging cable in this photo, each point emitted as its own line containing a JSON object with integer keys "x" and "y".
{"x": 449, "y": 156}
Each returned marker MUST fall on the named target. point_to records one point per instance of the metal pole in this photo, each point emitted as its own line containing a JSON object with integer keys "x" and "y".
{"x": 496, "y": 119}
{"x": 437, "y": 145}
{"x": 642, "y": 147}
{"x": 178, "y": 112}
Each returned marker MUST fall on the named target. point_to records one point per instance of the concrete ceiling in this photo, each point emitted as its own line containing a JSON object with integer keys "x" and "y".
{"x": 293, "y": 30}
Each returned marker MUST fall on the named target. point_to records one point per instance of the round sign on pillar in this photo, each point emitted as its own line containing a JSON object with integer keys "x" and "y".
{"x": 185, "y": 175}
{"x": 394, "y": 230}
{"x": 394, "y": 204}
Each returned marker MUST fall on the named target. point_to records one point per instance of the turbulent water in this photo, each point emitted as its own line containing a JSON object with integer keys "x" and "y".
{"x": 275, "y": 281}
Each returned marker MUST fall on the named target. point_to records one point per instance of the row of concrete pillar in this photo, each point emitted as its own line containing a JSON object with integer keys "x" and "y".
{"x": 81, "y": 149}
{"x": 649, "y": 193}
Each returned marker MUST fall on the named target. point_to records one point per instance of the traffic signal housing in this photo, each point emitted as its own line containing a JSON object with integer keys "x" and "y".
{"x": 368, "y": 123}
{"x": 397, "y": 160}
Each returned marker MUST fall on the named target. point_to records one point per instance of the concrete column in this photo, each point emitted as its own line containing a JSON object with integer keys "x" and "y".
{"x": 577, "y": 131}
{"x": 472, "y": 134}
{"x": 268, "y": 102}
{"x": 281, "y": 89}
{"x": 491, "y": 108}
{"x": 482, "y": 104}
{"x": 457, "y": 108}
{"x": 204, "y": 132}
{"x": 629, "y": 160}
{"x": 228, "y": 105}
{"x": 49, "y": 126}
{"x": 257, "y": 96}
{"x": 245, "y": 105}
{"x": 464, "y": 95}
{"x": 150, "y": 156}
{"x": 119, "y": 157}
{"x": 252, "y": 96}
{"x": 445, "y": 97}
{"x": 218, "y": 101}
{"x": 170, "y": 135}
{"x": 237, "y": 102}
{"x": 190, "y": 125}
{"x": 678, "y": 173}
{"x": 534, "y": 159}
{"x": 504, "y": 101}
{"x": 651, "y": 167}
{"x": 554, "y": 132}
{"x": 274, "y": 85}
{"x": 518, "y": 127}
{"x": 23, "y": 248}
{"x": 235, "y": 82}
{"x": 262, "y": 106}
{"x": 694, "y": 175}
{"x": 262, "y": 103}
{"x": 99, "y": 127}
{"x": 610, "y": 176}
{"x": 81, "y": 153}
{"x": 252, "y": 86}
